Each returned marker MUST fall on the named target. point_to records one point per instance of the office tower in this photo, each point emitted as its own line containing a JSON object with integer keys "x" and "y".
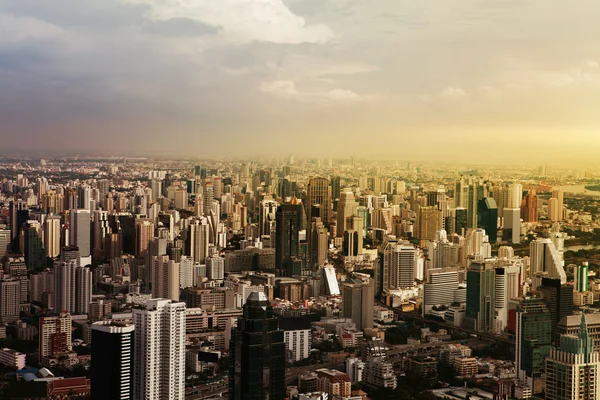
{"x": 16, "y": 269}
{"x": 144, "y": 232}
{"x": 558, "y": 194}
{"x": 187, "y": 275}
{"x": 545, "y": 261}
{"x": 427, "y": 224}
{"x": 533, "y": 340}
{"x": 33, "y": 248}
{"x": 79, "y": 231}
{"x": 55, "y": 334}
{"x": 198, "y": 241}
{"x": 215, "y": 267}
{"x": 49, "y": 203}
{"x": 112, "y": 359}
{"x": 397, "y": 266}
{"x": 357, "y": 224}
{"x": 4, "y": 242}
{"x": 266, "y": 217}
{"x": 318, "y": 242}
{"x": 72, "y": 287}
{"x": 181, "y": 199}
{"x": 357, "y": 302}
{"x": 581, "y": 277}
{"x": 102, "y": 229}
{"x": 474, "y": 192}
{"x": 41, "y": 284}
{"x": 511, "y": 228}
{"x": 440, "y": 288}
{"x": 287, "y": 237}
{"x": 573, "y": 370}
{"x": 500, "y": 194}
{"x": 350, "y": 243}
{"x": 553, "y": 210}
{"x": 318, "y": 192}
{"x": 481, "y": 286}
{"x": 558, "y": 298}
{"x": 329, "y": 282}
{"x": 346, "y": 208}
{"x": 208, "y": 197}
{"x": 52, "y": 233}
{"x": 460, "y": 220}
{"x": 529, "y": 207}
{"x": 487, "y": 217}
{"x": 159, "y": 350}
{"x": 257, "y": 353}
{"x": 10, "y": 296}
{"x": 156, "y": 186}
{"x": 165, "y": 278}
{"x": 19, "y": 214}
{"x": 84, "y": 194}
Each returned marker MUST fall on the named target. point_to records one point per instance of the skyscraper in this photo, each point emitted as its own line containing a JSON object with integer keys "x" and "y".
{"x": 581, "y": 277}
{"x": 397, "y": 266}
{"x": 533, "y": 340}
{"x": 159, "y": 350}
{"x": 52, "y": 233}
{"x": 112, "y": 360}
{"x": 487, "y": 217}
{"x": 198, "y": 241}
{"x": 559, "y": 195}
{"x": 558, "y": 298}
{"x": 266, "y": 217}
{"x": 33, "y": 248}
{"x": 165, "y": 278}
{"x": 257, "y": 353}
{"x": 55, "y": 335}
{"x": 318, "y": 192}
{"x": 79, "y": 231}
{"x": 427, "y": 224}
{"x": 10, "y": 296}
{"x": 346, "y": 207}
{"x": 529, "y": 207}
{"x": 144, "y": 232}
{"x": 287, "y": 239}
{"x": 573, "y": 370}
{"x": 318, "y": 242}
{"x": 72, "y": 287}
{"x": 545, "y": 261}
{"x": 481, "y": 285}
{"x": 19, "y": 214}
{"x": 357, "y": 302}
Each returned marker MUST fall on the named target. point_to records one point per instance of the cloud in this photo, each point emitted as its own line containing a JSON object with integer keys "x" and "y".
{"x": 453, "y": 93}
{"x": 342, "y": 95}
{"x": 18, "y": 29}
{"x": 243, "y": 20}
{"x": 279, "y": 88}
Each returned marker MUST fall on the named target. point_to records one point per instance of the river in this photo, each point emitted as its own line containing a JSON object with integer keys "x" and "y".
{"x": 578, "y": 189}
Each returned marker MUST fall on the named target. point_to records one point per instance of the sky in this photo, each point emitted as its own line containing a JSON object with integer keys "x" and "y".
{"x": 490, "y": 80}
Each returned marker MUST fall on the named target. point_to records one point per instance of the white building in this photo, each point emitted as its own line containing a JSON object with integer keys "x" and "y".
{"x": 159, "y": 350}
{"x": 297, "y": 337}
{"x": 186, "y": 272}
{"x": 72, "y": 287}
{"x": 215, "y": 268}
{"x": 355, "y": 369}
{"x": 12, "y": 358}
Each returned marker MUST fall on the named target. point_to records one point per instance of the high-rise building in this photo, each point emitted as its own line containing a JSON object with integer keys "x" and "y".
{"x": 4, "y": 242}
{"x": 573, "y": 370}
{"x": 511, "y": 228}
{"x": 19, "y": 214}
{"x": 318, "y": 192}
{"x": 481, "y": 286}
{"x": 257, "y": 353}
{"x": 558, "y": 298}
{"x": 10, "y": 295}
{"x": 159, "y": 350}
{"x": 55, "y": 334}
{"x": 440, "y": 288}
{"x": 52, "y": 234}
{"x": 427, "y": 224}
{"x": 533, "y": 340}
{"x": 215, "y": 267}
{"x": 487, "y": 217}
{"x": 581, "y": 277}
{"x": 318, "y": 242}
{"x": 112, "y": 359}
{"x": 553, "y": 213}
{"x": 266, "y": 217}
{"x": 198, "y": 241}
{"x": 79, "y": 231}
{"x": 72, "y": 287}
{"x": 287, "y": 237}
{"x": 559, "y": 195}
{"x": 144, "y": 232}
{"x": 187, "y": 277}
{"x": 346, "y": 208}
{"x": 101, "y": 230}
{"x": 397, "y": 266}
{"x": 357, "y": 302}
{"x": 545, "y": 261}
{"x": 529, "y": 207}
{"x": 33, "y": 247}
{"x": 165, "y": 278}
{"x": 208, "y": 197}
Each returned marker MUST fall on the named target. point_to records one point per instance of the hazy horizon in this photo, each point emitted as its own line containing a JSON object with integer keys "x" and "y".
{"x": 463, "y": 81}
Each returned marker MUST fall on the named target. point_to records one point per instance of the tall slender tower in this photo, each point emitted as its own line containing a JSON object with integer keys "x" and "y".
{"x": 347, "y": 207}
{"x": 79, "y": 231}
{"x": 319, "y": 193}
{"x": 52, "y": 233}
{"x": 159, "y": 350}
{"x": 112, "y": 358}
{"x": 287, "y": 237}
{"x": 257, "y": 353}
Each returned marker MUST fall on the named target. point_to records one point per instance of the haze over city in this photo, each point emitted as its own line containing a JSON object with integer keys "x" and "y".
{"x": 440, "y": 80}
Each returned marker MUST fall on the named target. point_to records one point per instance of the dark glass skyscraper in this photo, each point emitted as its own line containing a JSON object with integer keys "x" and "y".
{"x": 558, "y": 299}
{"x": 35, "y": 254}
{"x": 287, "y": 228}
{"x": 257, "y": 353}
{"x": 112, "y": 360}
{"x": 487, "y": 217}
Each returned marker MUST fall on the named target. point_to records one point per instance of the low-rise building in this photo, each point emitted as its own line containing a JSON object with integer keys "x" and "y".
{"x": 333, "y": 382}
{"x": 12, "y": 358}
{"x": 465, "y": 366}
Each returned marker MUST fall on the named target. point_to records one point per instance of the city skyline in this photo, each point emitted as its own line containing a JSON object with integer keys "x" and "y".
{"x": 435, "y": 80}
